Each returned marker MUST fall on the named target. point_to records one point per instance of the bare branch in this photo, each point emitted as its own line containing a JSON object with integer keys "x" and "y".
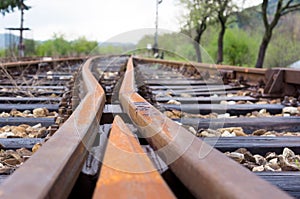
{"x": 287, "y": 5}
{"x": 291, "y": 9}
{"x": 264, "y": 7}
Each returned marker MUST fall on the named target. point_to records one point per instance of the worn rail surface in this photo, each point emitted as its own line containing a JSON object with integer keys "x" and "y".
{"x": 134, "y": 127}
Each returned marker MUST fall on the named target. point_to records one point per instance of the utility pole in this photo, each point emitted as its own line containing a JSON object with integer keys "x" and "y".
{"x": 155, "y": 46}
{"x": 21, "y": 46}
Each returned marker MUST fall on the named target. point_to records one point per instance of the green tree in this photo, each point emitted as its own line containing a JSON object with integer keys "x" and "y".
{"x": 30, "y": 47}
{"x": 238, "y": 48}
{"x": 82, "y": 46}
{"x": 110, "y": 49}
{"x": 281, "y": 8}
{"x": 61, "y": 46}
{"x": 224, "y": 9}
{"x": 200, "y": 13}
{"x": 7, "y": 6}
{"x": 45, "y": 49}
{"x": 2, "y": 52}
{"x": 58, "y": 46}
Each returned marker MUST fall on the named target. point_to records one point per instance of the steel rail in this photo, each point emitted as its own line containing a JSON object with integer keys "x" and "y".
{"x": 52, "y": 171}
{"x": 26, "y": 63}
{"x": 206, "y": 172}
{"x": 250, "y": 74}
{"x": 127, "y": 171}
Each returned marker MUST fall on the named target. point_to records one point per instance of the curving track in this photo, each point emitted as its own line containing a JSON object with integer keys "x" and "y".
{"x": 144, "y": 118}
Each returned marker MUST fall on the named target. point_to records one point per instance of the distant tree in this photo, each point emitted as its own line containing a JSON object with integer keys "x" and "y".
{"x": 45, "y": 49}
{"x": 200, "y": 13}
{"x": 2, "y": 53}
{"x": 58, "y": 46}
{"x": 237, "y": 48}
{"x": 224, "y": 9}
{"x": 82, "y": 46}
{"x": 7, "y": 6}
{"x": 30, "y": 47}
{"x": 282, "y": 8}
{"x": 62, "y": 47}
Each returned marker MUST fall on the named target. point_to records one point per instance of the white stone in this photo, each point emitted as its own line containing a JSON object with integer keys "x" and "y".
{"x": 287, "y": 153}
{"x": 173, "y": 102}
{"x": 185, "y": 95}
{"x": 39, "y": 125}
{"x": 179, "y": 123}
{"x": 260, "y": 160}
{"x": 269, "y": 135}
{"x": 3, "y": 114}
{"x": 231, "y": 103}
{"x": 274, "y": 161}
{"x": 223, "y": 102}
{"x": 268, "y": 168}
{"x": 258, "y": 169}
{"x": 226, "y": 115}
{"x": 6, "y": 134}
{"x": 290, "y": 110}
{"x": 227, "y": 134}
{"x": 193, "y": 130}
{"x": 206, "y": 134}
{"x": 262, "y": 111}
{"x": 239, "y": 157}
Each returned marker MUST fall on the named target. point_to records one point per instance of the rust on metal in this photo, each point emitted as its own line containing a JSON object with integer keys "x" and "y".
{"x": 35, "y": 62}
{"x": 279, "y": 81}
{"x": 250, "y": 74}
{"x": 283, "y": 81}
{"x": 53, "y": 170}
{"x": 206, "y": 172}
{"x": 127, "y": 172}
{"x": 275, "y": 83}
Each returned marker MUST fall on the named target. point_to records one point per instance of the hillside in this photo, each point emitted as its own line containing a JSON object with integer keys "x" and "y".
{"x": 5, "y": 39}
{"x": 285, "y": 43}
{"x": 251, "y": 19}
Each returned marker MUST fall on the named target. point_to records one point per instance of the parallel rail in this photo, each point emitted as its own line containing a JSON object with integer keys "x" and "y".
{"x": 252, "y": 75}
{"x": 211, "y": 180}
{"x": 64, "y": 153}
{"x": 193, "y": 161}
{"x": 35, "y": 62}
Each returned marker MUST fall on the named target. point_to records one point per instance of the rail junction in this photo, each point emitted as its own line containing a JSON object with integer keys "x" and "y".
{"x": 130, "y": 127}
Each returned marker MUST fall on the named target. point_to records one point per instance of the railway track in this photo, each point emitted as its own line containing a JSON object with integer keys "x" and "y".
{"x": 35, "y": 99}
{"x": 129, "y": 127}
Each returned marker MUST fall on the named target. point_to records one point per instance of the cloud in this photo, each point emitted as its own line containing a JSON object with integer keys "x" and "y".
{"x": 95, "y": 19}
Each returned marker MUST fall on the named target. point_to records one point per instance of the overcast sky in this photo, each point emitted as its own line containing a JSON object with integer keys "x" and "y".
{"x": 96, "y": 19}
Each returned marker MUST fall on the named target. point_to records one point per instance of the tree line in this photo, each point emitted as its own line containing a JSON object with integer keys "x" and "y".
{"x": 241, "y": 42}
{"x": 200, "y": 16}
{"x": 202, "y": 13}
{"x": 57, "y": 46}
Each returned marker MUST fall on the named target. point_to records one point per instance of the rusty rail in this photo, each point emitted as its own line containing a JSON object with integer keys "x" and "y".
{"x": 193, "y": 161}
{"x": 278, "y": 81}
{"x": 249, "y": 74}
{"x": 64, "y": 153}
{"x": 35, "y": 62}
{"x": 206, "y": 172}
{"x": 127, "y": 172}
